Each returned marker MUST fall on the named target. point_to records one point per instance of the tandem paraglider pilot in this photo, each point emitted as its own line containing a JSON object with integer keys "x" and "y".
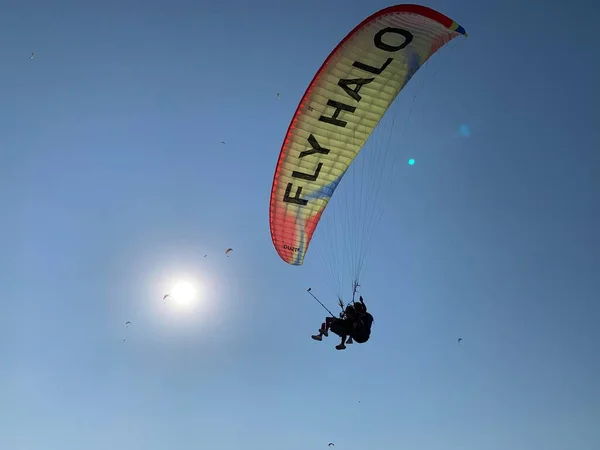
{"x": 353, "y": 325}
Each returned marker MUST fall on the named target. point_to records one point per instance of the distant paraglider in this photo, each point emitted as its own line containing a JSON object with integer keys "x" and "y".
{"x": 32, "y": 56}
{"x": 459, "y": 340}
{"x": 278, "y": 96}
{"x": 165, "y": 297}
{"x": 127, "y": 326}
{"x": 228, "y": 251}
{"x": 331, "y": 444}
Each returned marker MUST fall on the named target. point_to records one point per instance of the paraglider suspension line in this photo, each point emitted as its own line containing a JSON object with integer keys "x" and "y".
{"x": 354, "y": 289}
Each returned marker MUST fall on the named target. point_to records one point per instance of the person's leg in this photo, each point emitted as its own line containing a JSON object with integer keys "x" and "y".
{"x": 329, "y": 322}
{"x": 337, "y": 326}
{"x": 341, "y": 345}
{"x": 323, "y": 331}
{"x": 343, "y": 328}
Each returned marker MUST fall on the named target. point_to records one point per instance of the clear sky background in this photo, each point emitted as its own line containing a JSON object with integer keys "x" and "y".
{"x": 114, "y": 183}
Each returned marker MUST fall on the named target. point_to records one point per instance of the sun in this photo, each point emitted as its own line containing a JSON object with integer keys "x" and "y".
{"x": 184, "y": 293}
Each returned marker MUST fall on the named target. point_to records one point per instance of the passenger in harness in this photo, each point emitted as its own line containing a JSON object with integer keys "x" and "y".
{"x": 354, "y": 324}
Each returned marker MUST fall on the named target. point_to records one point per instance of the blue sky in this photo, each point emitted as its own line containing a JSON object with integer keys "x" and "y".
{"x": 113, "y": 182}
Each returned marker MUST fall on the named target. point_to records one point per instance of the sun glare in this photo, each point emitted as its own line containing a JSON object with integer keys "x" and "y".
{"x": 184, "y": 293}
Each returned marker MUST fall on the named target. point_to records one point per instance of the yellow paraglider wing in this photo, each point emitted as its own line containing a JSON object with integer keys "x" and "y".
{"x": 341, "y": 107}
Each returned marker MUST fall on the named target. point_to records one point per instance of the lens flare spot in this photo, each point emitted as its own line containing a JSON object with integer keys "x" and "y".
{"x": 464, "y": 131}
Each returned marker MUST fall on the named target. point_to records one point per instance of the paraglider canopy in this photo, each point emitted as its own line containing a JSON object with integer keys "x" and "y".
{"x": 341, "y": 107}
